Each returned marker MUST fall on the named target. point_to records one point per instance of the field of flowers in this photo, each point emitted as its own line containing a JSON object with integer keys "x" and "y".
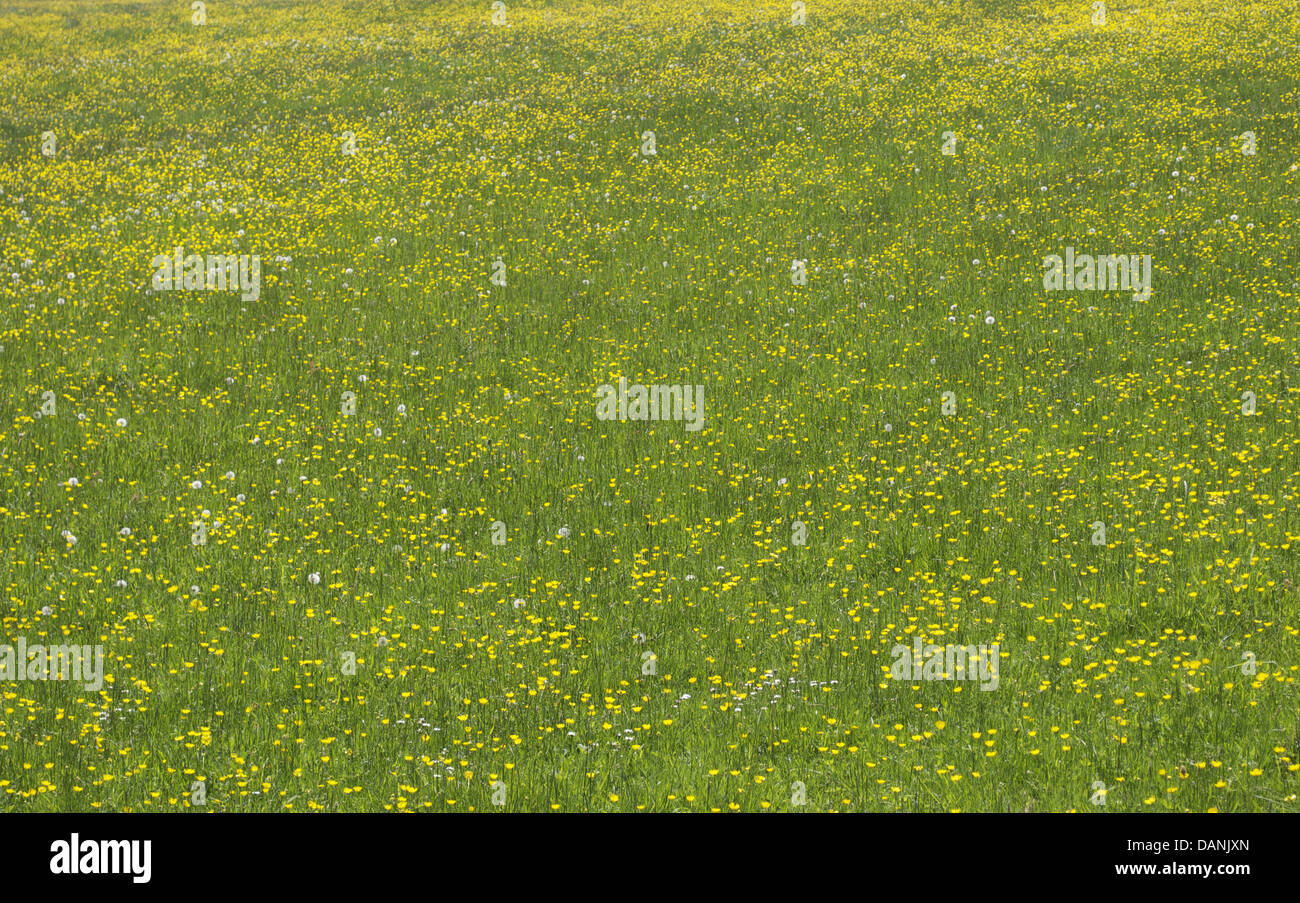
{"x": 355, "y": 538}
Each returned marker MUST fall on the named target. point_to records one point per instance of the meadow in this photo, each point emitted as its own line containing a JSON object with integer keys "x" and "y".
{"x": 357, "y": 540}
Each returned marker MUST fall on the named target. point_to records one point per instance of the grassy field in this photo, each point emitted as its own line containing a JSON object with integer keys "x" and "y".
{"x": 303, "y": 608}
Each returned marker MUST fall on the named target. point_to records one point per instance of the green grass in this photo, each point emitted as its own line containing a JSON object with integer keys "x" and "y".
{"x": 1120, "y": 663}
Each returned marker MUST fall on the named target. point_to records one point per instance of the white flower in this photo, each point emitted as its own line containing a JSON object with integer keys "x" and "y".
{"x": 378, "y": 431}
{"x": 197, "y": 484}
{"x": 120, "y": 584}
{"x": 125, "y": 531}
{"x": 121, "y": 421}
{"x": 73, "y": 481}
{"x": 564, "y": 533}
{"x": 519, "y": 603}
{"x": 383, "y": 641}
{"x": 230, "y": 474}
{"x": 240, "y": 498}
{"x": 230, "y": 380}
{"x": 989, "y": 320}
{"x": 194, "y": 590}
{"x": 313, "y": 578}
{"x": 361, "y": 378}
{"x": 401, "y": 409}
{"x": 46, "y": 610}
{"x": 889, "y": 427}
{"x": 782, "y": 481}
{"x": 444, "y": 547}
